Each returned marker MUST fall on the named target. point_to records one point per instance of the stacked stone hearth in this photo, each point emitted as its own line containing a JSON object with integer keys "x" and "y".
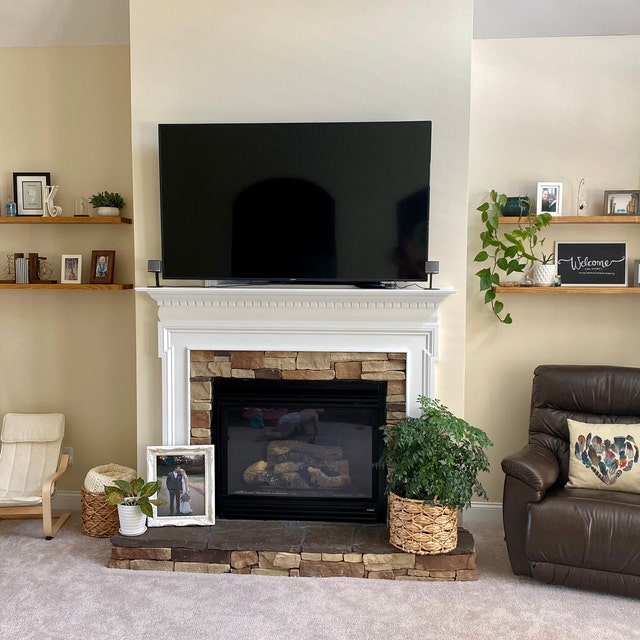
{"x": 291, "y": 365}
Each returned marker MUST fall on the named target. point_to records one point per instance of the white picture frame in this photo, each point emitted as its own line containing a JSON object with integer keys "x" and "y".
{"x": 71, "y": 269}
{"x": 196, "y": 462}
{"x": 549, "y": 198}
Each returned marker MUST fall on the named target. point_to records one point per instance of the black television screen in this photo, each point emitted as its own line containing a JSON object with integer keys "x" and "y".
{"x": 326, "y": 202}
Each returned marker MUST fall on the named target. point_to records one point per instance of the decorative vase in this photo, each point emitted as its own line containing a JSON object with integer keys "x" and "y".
{"x": 543, "y": 275}
{"x": 417, "y": 527}
{"x": 132, "y": 521}
{"x": 108, "y": 211}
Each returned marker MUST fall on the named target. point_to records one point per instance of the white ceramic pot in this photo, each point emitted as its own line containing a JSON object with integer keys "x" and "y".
{"x": 108, "y": 211}
{"x": 543, "y": 275}
{"x": 132, "y": 521}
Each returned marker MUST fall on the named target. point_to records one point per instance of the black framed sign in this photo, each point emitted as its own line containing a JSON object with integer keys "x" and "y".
{"x": 592, "y": 264}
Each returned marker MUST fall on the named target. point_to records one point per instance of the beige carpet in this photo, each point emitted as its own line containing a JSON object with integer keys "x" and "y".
{"x": 62, "y": 589}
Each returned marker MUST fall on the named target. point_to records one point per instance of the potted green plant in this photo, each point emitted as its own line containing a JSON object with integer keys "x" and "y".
{"x": 134, "y": 500}
{"x": 432, "y": 463}
{"x": 507, "y": 252}
{"x": 107, "y": 203}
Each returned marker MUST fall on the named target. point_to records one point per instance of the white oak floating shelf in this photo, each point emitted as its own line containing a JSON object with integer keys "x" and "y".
{"x": 44, "y": 285}
{"x": 576, "y": 219}
{"x": 567, "y": 289}
{"x": 64, "y": 220}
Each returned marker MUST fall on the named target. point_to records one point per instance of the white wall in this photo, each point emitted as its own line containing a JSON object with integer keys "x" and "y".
{"x": 289, "y": 60}
{"x": 548, "y": 109}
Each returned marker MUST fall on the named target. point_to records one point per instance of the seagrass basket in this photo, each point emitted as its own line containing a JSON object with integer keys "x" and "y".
{"x": 99, "y": 519}
{"x": 416, "y": 527}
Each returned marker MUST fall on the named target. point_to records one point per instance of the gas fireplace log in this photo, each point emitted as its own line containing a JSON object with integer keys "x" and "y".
{"x": 284, "y": 447}
{"x": 319, "y": 479}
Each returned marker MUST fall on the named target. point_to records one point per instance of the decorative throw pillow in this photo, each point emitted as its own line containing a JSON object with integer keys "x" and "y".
{"x": 604, "y": 456}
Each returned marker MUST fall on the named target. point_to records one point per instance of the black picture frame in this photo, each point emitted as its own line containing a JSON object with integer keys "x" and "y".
{"x": 592, "y": 264}
{"x": 27, "y": 192}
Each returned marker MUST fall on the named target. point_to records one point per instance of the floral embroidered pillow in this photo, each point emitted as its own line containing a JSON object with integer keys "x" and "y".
{"x": 604, "y": 456}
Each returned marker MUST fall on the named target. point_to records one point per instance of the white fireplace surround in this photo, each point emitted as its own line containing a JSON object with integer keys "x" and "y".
{"x": 331, "y": 318}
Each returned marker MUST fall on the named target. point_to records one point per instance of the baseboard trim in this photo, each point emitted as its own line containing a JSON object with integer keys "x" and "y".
{"x": 67, "y": 501}
{"x": 482, "y": 513}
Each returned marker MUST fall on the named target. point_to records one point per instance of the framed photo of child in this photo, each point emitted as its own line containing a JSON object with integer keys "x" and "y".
{"x": 102, "y": 267}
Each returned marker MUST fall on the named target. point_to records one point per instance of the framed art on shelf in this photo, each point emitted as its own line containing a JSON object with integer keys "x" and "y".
{"x": 27, "y": 192}
{"x": 549, "y": 198}
{"x": 621, "y": 203}
{"x": 185, "y": 478}
{"x": 102, "y": 267}
{"x": 71, "y": 269}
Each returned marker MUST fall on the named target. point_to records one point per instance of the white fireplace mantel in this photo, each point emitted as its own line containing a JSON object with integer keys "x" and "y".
{"x": 331, "y": 318}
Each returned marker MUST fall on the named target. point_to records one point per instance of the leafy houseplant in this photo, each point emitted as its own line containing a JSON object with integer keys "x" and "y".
{"x": 508, "y": 252}
{"x": 134, "y": 503}
{"x": 107, "y": 199}
{"x": 432, "y": 466}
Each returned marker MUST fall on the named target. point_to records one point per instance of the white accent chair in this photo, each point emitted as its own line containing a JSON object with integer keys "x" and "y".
{"x": 30, "y": 463}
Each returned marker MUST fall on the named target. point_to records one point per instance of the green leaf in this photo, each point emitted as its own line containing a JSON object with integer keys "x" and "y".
{"x": 489, "y": 296}
{"x": 481, "y": 256}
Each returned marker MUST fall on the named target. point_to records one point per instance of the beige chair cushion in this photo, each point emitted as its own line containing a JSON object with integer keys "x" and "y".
{"x": 31, "y": 445}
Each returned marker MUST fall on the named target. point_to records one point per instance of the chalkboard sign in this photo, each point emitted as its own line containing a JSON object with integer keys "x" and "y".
{"x": 592, "y": 264}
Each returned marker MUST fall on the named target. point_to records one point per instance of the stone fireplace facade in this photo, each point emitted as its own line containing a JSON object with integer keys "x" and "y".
{"x": 291, "y": 365}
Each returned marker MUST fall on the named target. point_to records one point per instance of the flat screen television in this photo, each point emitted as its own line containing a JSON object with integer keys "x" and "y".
{"x": 321, "y": 202}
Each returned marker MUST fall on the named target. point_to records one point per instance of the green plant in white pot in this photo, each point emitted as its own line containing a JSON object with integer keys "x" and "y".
{"x": 432, "y": 463}
{"x": 507, "y": 252}
{"x": 107, "y": 203}
{"x": 134, "y": 500}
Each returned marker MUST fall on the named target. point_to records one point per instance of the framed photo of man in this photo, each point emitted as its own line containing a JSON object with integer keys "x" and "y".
{"x": 186, "y": 483}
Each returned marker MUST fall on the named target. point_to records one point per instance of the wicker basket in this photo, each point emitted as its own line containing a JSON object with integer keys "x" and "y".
{"x": 416, "y": 527}
{"x": 99, "y": 519}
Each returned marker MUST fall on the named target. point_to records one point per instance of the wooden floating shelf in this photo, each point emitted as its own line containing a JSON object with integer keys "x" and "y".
{"x": 42, "y": 285}
{"x": 577, "y": 219}
{"x": 566, "y": 289}
{"x": 64, "y": 220}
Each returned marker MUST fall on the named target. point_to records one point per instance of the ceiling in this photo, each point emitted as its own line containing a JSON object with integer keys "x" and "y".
{"x": 46, "y": 23}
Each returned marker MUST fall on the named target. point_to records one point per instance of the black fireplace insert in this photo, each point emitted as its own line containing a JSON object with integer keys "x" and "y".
{"x": 298, "y": 449}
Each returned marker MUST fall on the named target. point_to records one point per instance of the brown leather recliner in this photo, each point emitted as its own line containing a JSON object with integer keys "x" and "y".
{"x": 584, "y": 538}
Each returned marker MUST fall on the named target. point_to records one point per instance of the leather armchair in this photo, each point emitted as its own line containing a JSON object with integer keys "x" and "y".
{"x": 583, "y": 538}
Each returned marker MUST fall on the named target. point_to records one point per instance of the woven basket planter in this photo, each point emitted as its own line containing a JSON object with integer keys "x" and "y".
{"x": 416, "y": 527}
{"x": 99, "y": 519}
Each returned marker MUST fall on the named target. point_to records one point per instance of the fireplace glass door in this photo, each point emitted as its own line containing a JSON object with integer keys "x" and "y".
{"x": 298, "y": 450}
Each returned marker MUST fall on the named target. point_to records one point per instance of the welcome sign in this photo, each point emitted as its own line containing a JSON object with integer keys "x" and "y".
{"x": 592, "y": 264}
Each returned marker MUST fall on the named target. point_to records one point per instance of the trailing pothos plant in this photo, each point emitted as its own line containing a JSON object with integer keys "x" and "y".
{"x": 507, "y": 252}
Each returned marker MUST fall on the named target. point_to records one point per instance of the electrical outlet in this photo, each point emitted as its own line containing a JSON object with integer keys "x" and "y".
{"x": 69, "y": 450}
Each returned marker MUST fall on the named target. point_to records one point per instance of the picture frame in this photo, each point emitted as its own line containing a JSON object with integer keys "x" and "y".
{"x": 103, "y": 264}
{"x": 549, "y": 198}
{"x": 623, "y": 202}
{"x": 592, "y": 264}
{"x": 27, "y": 192}
{"x": 196, "y": 461}
{"x": 71, "y": 269}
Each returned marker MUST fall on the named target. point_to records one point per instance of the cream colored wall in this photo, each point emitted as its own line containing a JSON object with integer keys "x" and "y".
{"x": 548, "y": 109}
{"x": 67, "y": 111}
{"x": 289, "y": 60}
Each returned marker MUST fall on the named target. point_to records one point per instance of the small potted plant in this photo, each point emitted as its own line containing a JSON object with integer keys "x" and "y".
{"x": 107, "y": 203}
{"x": 134, "y": 500}
{"x": 508, "y": 252}
{"x": 432, "y": 466}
